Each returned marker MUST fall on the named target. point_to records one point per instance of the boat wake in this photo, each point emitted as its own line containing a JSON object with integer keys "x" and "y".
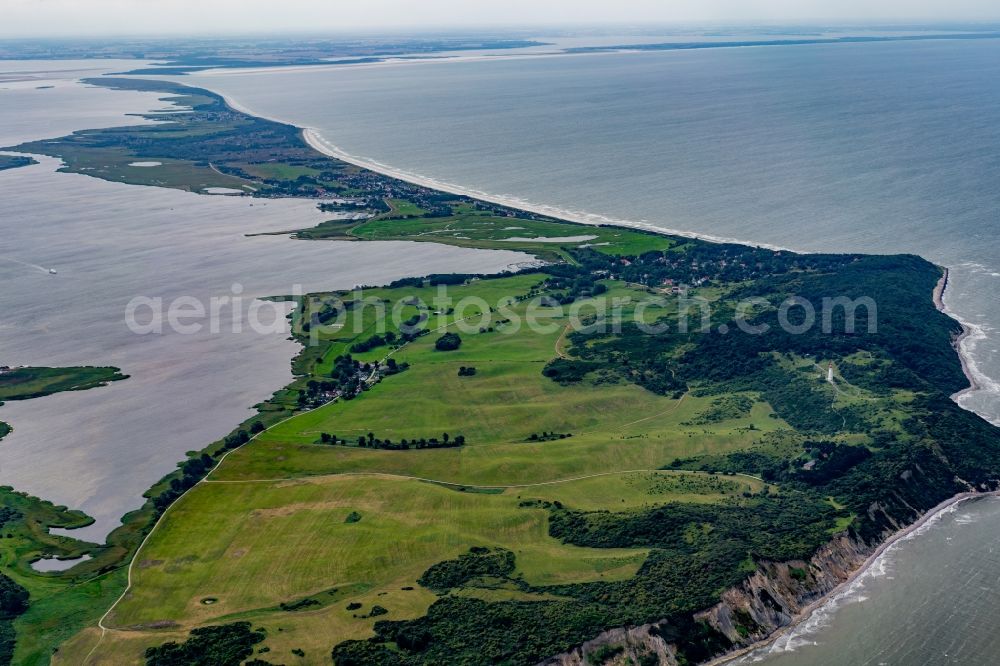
{"x": 29, "y": 265}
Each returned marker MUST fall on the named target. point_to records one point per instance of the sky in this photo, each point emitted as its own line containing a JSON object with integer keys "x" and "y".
{"x": 38, "y": 18}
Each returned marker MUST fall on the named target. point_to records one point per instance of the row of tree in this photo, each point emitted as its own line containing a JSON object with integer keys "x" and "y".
{"x": 372, "y": 442}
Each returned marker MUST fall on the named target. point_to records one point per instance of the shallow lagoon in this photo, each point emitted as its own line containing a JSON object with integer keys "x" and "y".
{"x": 99, "y": 450}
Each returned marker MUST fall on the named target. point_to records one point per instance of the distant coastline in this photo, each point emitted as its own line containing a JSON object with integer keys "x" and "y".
{"x": 317, "y": 142}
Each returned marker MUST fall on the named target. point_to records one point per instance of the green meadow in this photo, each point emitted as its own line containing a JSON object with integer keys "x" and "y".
{"x": 60, "y": 603}
{"x": 27, "y": 383}
{"x": 468, "y": 227}
{"x": 269, "y": 526}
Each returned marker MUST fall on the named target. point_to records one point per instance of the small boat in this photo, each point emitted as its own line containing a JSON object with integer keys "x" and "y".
{"x": 53, "y": 271}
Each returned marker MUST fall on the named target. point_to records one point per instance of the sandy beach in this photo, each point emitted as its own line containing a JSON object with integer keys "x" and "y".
{"x": 970, "y": 333}
{"x": 967, "y": 330}
{"x": 939, "y": 289}
{"x": 317, "y": 142}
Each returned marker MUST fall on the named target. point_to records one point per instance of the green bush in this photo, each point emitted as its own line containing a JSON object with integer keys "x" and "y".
{"x": 220, "y": 645}
{"x": 478, "y": 562}
{"x": 448, "y": 342}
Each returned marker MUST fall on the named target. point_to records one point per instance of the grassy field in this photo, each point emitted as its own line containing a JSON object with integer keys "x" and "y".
{"x": 226, "y": 552}
{"x": 404, "y": 208}
{"x": 89, "y": 153}
{"x": 468, "y": 227}
{"x": 614, "y": 426}
{"x": 270, "y": 526}
{"x": 116, "y": 165}
{"x": 15, "y": 161}
{"x": 27, "y": 383}
{"x": 61, "y": 603}
{"x": 400, "y": 534}
{"x": 565, "y": 435}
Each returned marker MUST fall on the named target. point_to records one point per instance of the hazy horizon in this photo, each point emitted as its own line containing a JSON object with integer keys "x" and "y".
{"x": 163, "y": 18}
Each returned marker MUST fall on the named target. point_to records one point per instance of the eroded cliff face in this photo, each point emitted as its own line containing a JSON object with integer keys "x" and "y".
{"x": 636, "y": 644}
{"x": 778, "y": 591}
{"x": 750, "y": 612}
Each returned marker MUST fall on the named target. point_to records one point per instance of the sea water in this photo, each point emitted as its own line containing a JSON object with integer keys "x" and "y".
{"x": 855, "y": 147}
{"x": 930, "y": 599}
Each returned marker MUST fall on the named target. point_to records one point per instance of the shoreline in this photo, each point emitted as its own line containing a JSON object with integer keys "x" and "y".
{"x": 315, "y": 140}
{"x": 312, "y": 137}
{"x": 897, "y": 537}
{"x": 967, "y": 331}
{"x": 938, "y": 297}
{"x": 971, "y": 333}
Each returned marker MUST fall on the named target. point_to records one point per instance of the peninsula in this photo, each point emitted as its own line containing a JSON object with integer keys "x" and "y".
{"x": 549, "y": 466}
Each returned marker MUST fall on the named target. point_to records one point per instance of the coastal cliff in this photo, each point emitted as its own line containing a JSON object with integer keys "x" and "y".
{"x": 780, "y": 595}
{"x": 771, "y": 599}
{"x": 775, "y": 598}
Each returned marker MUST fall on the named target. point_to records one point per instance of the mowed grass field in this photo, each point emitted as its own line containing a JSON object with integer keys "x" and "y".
{"x": 248, "y": 546}
{"x": 270, "y": 525}
{"x": 614, "y": 426}
{"x": 469, "y": 227}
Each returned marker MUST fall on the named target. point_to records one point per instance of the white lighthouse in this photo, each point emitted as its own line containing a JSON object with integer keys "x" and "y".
{"x": 829, "y": 373}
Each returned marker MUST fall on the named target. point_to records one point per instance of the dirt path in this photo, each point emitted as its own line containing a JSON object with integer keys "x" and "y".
{"x": 389, "y": 475}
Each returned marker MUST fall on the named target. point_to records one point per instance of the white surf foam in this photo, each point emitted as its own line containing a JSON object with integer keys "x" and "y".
{"x": 804, "y": 633}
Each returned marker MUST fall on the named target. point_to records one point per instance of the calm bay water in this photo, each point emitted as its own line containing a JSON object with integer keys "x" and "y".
{"x": 99, "y": 450}
{"x": 863, "y": 147}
